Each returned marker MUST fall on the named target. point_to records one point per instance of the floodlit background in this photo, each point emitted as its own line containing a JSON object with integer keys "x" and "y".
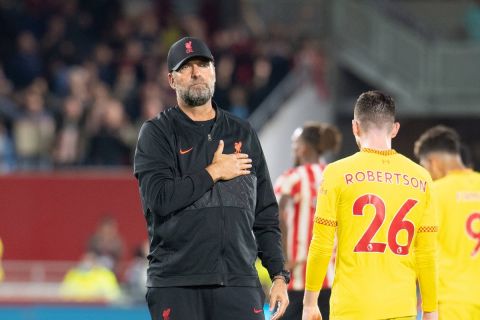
{"x": 78, "y": 78}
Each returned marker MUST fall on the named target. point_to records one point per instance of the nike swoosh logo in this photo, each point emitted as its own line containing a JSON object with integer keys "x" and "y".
{"x": 185, "y": 151}
{"x": 257, "y": 310}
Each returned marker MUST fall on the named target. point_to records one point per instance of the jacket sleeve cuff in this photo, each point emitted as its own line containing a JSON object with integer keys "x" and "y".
{"x": 202, "y": 181}
{"x": 275, "y": 268}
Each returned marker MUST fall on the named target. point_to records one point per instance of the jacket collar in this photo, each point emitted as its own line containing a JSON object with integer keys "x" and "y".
{"x": 218, "y": 113}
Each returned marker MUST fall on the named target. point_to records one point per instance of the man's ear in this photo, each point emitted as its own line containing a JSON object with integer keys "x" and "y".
{"x": 395, "y": 129}
{"x": 356, "y": 128}
{"x": 171, "y": 80}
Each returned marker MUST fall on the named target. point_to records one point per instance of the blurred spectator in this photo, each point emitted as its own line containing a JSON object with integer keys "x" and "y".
{"x": 26, "y": 64}
{"x": 34, "y": 133}
{"x": 100, "y": 96}
{"x": 310, "y": 57}
{"x": 279, "y": 52}
{"x": 238, "y": 102}
{"x": 225, "y": 66}
{"x": 70, "y": 137}
{"x": 107, "y": 243}
{"x": 261, "y": 85}
{"x": 136, "y": 274}
{"x": 103, "y": 59}
{"x": 150, "y": 109}
{"x": 78, "y": 81}
{"x": 53, "y": 38}
{"x": 125, "y": 89}
{"x": 113, "y": 142}
{"x": 90, "y": 281}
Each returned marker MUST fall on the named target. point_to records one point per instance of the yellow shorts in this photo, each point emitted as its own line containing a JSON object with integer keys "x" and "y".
{"x": 403, "y": 318}
{"x": 458, "y": 311}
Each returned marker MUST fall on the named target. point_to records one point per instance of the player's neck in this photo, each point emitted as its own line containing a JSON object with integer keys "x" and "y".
{"x": 313, "y": 158}
{"x": 453, "y": 163}
{"x": 375, "y": 142}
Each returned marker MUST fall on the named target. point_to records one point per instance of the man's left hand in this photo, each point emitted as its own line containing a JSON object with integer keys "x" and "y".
{"x": 278, "y": 298}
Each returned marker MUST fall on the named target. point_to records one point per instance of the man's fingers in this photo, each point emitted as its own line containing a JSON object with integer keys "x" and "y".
{"x": 246, "y": 166}
{"x": 281, "y": 307}
{"x": 247, "y": 160}
{"x": 279, "y": 312}
{"x": 273, "y": 300}
{"x": 241, "y": 155}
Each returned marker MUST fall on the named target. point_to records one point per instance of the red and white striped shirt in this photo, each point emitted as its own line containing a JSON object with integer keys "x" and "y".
{"x": 301, "y": 185}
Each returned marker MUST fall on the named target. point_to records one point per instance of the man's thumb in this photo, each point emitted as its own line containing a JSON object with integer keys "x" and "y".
{"x": 220, "y": 147}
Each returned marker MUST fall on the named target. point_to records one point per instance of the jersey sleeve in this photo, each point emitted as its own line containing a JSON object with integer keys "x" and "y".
{"x": 426, "y": 254}
{"x": 322, "y": 243}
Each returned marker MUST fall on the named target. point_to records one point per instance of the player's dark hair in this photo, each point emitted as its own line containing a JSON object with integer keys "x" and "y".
{"x": 437, "y": 139}
{"x": 322, "y": 137}
{"x": 374, "y": 108}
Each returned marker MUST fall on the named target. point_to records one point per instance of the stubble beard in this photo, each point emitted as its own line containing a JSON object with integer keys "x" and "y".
{"x": 195, "y": 96}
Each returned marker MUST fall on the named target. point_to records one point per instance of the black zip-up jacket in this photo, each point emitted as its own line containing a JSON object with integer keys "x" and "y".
{"x": 205, "y": 233}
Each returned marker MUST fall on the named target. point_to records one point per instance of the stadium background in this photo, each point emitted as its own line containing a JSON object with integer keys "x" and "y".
{"x": 77, "y": 78}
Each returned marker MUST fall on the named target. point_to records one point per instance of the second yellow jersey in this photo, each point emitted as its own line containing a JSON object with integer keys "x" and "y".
{"x": 379, "y": 202}
{"x": 458, "y": 201}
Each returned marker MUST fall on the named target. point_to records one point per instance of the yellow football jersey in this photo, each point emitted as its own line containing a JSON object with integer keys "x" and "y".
{"x": 458, "y": 201}
{"x": 381, "y": 206}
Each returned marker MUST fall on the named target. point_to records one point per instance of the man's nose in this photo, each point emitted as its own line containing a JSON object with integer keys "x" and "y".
{"x": 195, "y": 70}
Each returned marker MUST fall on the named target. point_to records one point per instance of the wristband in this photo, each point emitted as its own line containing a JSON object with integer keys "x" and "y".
{"x": 284, "y": 275}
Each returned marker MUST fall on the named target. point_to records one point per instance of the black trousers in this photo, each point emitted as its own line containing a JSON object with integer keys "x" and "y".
{"x": 206, "y": 303}
{"x": 295, "y": 307}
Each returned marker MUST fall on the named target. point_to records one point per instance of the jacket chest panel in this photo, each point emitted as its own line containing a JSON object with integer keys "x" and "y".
{"x": 193, "y": 154}
{"x": 195, "y": 147}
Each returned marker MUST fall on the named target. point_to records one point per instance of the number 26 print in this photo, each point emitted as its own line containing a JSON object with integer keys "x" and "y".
{"x": 365, "y": 243}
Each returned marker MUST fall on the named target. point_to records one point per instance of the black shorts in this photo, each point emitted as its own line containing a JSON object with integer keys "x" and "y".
{"x": 295, "y": 307}
{"x": 206, "y": 303}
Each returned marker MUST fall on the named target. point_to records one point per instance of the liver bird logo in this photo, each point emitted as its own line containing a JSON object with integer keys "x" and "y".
{"x": 188, "y": 47}
{"x": 238, "y": 147}
{"x": 166, "y": 314}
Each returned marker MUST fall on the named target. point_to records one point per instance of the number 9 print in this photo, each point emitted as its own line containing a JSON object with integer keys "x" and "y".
{"x": 471, "y": 232}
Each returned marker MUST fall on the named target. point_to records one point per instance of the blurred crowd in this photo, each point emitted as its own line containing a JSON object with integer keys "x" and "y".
{"x": 78, "y": 78}
{"x": 99, "y": 275}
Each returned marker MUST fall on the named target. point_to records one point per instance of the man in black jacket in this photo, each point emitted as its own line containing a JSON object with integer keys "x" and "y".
{"x": 208, "y": 201}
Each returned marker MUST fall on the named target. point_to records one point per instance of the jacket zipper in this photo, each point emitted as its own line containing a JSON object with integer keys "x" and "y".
{"x": 222, "y": 240}
{"x": 222, "y": 220}
{"x": 210, "y": 134}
